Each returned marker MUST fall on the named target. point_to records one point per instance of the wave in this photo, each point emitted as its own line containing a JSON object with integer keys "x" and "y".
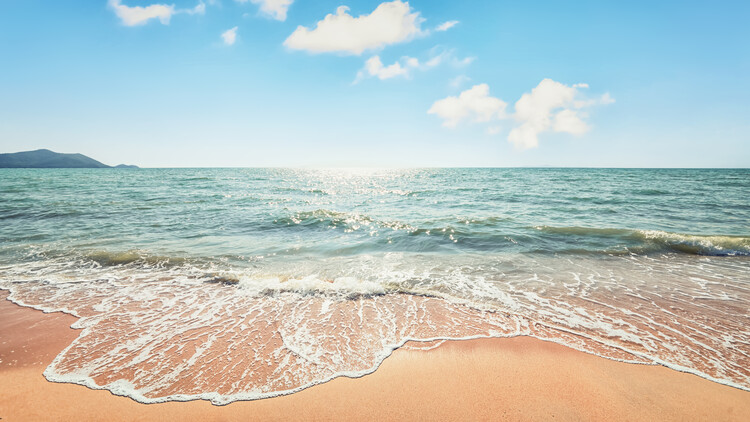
{"x": 323, "y": 218}
{"x": 352, "y": 221}
{"x": 650, "y": 192}
{"x": 44, "y": 214}
{"x": 497, "y": 233}
{"x": 584, "y": 231}
{"x": 138, "y": 257}
{"x": 712, "y": 245}
{"x": 657, "y": 240}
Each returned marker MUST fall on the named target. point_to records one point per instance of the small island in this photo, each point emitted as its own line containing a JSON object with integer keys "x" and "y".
{"x": 44, "y": 158}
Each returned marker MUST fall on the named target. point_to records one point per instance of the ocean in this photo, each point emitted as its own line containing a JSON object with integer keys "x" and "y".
{"x": 239, "y": 284}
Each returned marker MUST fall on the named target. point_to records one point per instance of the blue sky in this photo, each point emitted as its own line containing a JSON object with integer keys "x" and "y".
{"x": 510, "y": 83}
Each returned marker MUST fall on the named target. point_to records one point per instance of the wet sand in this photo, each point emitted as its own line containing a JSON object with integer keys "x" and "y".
{"x": 489, "y": 379}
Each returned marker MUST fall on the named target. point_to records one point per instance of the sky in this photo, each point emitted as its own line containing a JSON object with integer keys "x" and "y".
{"x": 350, "y": 83}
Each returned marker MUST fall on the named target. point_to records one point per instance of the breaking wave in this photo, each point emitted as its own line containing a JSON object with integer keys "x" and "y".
{"x": 646, "y": 241}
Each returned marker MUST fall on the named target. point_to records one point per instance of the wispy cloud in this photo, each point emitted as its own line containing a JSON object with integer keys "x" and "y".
{"x": 390, "y": 23}
{"x": 439, "y": 55}
{"x": 374, "y": 67}
{"x": 275, "y": 9}
{"x": 229, "y": 36}
{"x": 140, "y": 15}
{"x": 458, "y": 81}
{"x": 199, "y": 9}
{"x": 550, "y": 107}
{"x": 446, "y": 26}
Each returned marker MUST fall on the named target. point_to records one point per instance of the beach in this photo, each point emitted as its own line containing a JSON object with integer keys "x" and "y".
{"x": 455, "y": 294}
{"x": 485, "y": 379}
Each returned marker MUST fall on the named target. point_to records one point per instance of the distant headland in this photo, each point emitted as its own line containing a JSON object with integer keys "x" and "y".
{"x": 46, "y": 159}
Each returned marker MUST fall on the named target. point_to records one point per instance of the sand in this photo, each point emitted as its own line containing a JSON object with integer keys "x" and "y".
{"x": 489, "y": 379}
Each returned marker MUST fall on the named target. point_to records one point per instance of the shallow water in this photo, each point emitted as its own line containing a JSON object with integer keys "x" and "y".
{"x": 230, "y": 284}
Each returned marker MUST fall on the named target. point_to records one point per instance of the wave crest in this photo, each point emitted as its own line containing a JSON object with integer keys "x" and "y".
{"x": 715, "y": 245}
{"x": 659, "y": 241}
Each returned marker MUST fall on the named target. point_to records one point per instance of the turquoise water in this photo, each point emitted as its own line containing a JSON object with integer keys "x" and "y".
{"x": 649, "y": 266}
{"x": 239, "y": 214}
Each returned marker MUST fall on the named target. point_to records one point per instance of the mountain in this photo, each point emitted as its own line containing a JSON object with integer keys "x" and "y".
{"x": 126, "y": 166}
{"x": 44, "y": 158}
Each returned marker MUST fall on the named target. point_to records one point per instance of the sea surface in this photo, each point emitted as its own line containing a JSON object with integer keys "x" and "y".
{"x": 237, "y": 284}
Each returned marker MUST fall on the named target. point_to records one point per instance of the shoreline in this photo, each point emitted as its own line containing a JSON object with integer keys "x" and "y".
{"x": 518, "y": 378}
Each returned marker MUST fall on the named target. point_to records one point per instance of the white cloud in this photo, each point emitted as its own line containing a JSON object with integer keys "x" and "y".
{"x": 199, "y": 9}
{"x": 475, "y": 104}
{"x": 439, "y": 56}
{"x": 606, "y": 99}
{"x": 229, "y": 36}
{"x": 375, "y": 67}
{"x": 389, "y": 23}
{"x": 446, "y": 26}
{"x": 275, "y": 9}
{"x": 569, "y": 121}
{"x": 140, "y": 15}
{"x": 536, "y": 110}
{"x": 550, "y": 107}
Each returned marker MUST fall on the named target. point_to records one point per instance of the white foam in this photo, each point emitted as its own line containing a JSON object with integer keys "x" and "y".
{"x": 346, "y": 317}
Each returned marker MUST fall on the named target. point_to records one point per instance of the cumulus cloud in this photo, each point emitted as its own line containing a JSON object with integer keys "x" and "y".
{"x": 446, "y": 26}
{"x": 390, "y": 23}
{"x": 547, "y": 107}
{"x": 229, "y": 36}
{"x": 140, "y": 15}
{"x": 550, "y": 107}
{"x": 475, "y": 104}
{"x": 275, "y": 9}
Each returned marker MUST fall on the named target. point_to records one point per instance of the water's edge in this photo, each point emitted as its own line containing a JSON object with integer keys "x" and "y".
{"x": 121, "y": 389}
